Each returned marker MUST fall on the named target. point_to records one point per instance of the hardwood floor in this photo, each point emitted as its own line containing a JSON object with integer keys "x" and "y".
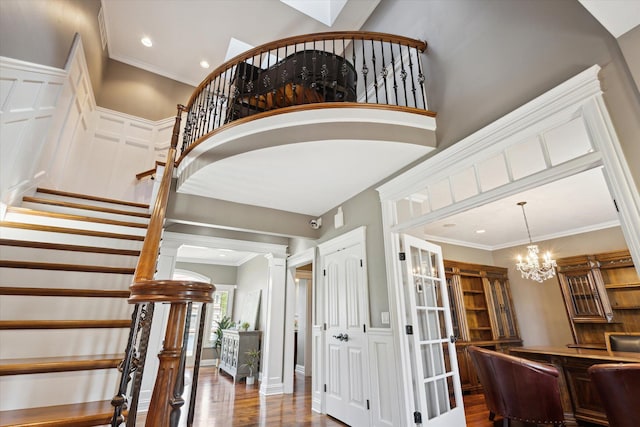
{"x": 221, "y": 404}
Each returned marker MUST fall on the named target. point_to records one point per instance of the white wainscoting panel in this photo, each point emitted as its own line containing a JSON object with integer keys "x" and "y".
{"x": 384, "y": 385}
{"x": 316, "y": 366}
{"x": 29, "y": 94}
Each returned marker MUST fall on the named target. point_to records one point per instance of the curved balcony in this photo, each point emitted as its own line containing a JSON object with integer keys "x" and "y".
{"x": 358, "y": 95}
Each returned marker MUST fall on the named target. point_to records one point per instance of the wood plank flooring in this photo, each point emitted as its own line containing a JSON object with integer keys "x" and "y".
{"x": 223, "y": 404}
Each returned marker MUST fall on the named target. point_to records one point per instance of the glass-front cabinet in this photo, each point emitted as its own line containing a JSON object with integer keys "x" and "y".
{"x": 482, "y": 313}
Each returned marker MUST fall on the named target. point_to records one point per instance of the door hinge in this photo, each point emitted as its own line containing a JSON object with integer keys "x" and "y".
{"x": 417, "y": 417}
{"x": 616, "y": 205}
{"x": 325, "y": 326}
{"x": 325, "y": 388}
{"x": 409, "y": 329}
{"x": 402, "y": 256}
{"x": 364, "y": 328}
{"x": 368, "y": 407}
{"x": 361, "y": 265}
{"x": 324, "y": 272}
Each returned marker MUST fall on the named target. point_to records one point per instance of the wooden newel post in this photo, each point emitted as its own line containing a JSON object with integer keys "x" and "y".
{"x": 164, "y": 402}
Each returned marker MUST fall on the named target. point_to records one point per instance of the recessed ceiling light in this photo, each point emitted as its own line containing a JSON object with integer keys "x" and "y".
{"x": 146, "y": 41}
{"x": 204, "y": 64}
{"x": 481, "y": 231}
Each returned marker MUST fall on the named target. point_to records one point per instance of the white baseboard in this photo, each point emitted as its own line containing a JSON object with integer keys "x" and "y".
{"x": 300, "y": 369}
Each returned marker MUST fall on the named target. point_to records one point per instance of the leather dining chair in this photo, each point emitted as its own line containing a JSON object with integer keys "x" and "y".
{"x": 517, "y": 388}
{"x": 623, "y": 341}
{"x": 618, "y": 385}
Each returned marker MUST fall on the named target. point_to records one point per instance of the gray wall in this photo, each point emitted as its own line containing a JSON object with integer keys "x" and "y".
{"x": 42, "y": 31}
{"x": 630, "y": 45}
{"x": 140, "y": 93}
{"x": 485, "y": 59}
{"x": 488, "y": 57}
{"x": 252, "y": 275}
{"x": 219, "y": 274}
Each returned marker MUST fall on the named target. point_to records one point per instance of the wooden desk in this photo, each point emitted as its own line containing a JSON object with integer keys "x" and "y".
{"x": 580, "y": 401}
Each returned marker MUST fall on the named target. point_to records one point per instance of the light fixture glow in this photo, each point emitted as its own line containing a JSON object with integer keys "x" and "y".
{"x": 146, "y": 41}
{"x": 204, "y": 64}
{"x": 481, "y": 231}
{"x": 530, "y": 267}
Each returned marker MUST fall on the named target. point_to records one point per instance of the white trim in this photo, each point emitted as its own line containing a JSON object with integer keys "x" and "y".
{"x": 271, "y": 389}
{"x": 299, "y": 369}
{"x": 16, "y": 64}
{"x": 385, "y": 404}
{"x": 171, "y": 238}
{"x": 345, "y": 240}
{"x": 217, "y": 261}
{"x": 581, "y": 97}
{"x": 192, "y": 275}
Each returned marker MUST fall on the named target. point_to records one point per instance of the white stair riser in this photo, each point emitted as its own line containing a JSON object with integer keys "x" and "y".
{"x": 18, "y": 253}
{"x": 71, "y": 223}
{"x": 84, "y": 212}
{"x": 64, "y": 279}
{"x": 18, "y": 344}
{"x": 69, "y": 239}
{"x": 15, "y": 307}
{"x": 91, "y": 202}
{"x": 60, "y": 388}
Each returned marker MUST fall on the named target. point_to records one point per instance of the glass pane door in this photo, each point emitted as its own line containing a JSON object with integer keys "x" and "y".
{"x": 434, "y": 363}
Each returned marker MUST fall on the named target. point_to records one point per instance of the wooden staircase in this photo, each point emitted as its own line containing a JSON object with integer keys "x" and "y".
{"x": 66, "y": 263}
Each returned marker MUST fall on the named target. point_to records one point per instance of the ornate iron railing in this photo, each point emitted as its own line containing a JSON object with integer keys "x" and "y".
{"x": 338, "y": 67}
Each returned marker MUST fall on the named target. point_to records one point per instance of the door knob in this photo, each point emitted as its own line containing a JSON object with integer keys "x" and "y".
{"x": 339, "y": 337}
{"x": 345, "y": 338}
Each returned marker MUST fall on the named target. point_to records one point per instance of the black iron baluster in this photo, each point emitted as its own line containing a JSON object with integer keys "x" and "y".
{"x": 314, "y": 60}
{"x": 375, "y": 73}
{"x": 334, "y": 83}
{"x": 385, "y": 73}
{"x": 403, "y": 76}
{"x": 413, "y": 79}
{"x": 365, "y": 71}
{"x": 395, "y": 75}
{"x": 353, "y": 60}
{"x": 324, "y": 71}
{"x": 177, "y": 401}
{"x": 196, "y": 367}
{"x": 119, "y": 401}
{"x": 421, "y": 80}
{"x": 304, "y": 74}
{"x": 146, "y": 321}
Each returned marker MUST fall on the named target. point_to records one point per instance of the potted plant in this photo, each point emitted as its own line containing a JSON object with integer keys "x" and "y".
{"x": 224, "y": 323}
{"x": 244, "y": 326}
{"x": 252, "y": 359}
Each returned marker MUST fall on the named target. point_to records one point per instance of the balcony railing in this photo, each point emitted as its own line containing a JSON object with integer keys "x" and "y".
{"x": 336, "y": 69}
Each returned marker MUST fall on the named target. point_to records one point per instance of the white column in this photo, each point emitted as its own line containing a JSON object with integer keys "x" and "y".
{"x": 273, "y": 340}
{"x": 165, "y": 267}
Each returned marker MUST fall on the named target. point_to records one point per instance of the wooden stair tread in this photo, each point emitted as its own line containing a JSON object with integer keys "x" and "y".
{"x": 74, "y": 415}
{"x": 73, "y": 205}
{"x": 89, "y": 197}
{"x": 53, "y": 229}
{"x": 64, "y": 324}
{"x": 66, "y": 247}
{"x": 64, "y": 292}
{"x": 37, "y": 365}
{"x": 35, "y": 212}
{"x": 31, "y": 265}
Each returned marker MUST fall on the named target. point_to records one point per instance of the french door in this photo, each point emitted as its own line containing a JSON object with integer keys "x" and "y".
{"x": 429, "y": 336}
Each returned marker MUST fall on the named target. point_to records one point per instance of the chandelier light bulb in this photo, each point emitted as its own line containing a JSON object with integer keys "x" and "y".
{"x": 531, "y": 268}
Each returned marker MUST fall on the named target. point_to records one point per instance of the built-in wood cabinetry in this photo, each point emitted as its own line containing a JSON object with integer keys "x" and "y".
{"x": 602, "y": 294}
{"x": 235, "y": 344}
{"x": 481, "y": 312}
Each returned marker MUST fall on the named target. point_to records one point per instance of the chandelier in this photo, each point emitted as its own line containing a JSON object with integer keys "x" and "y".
{"x": 530, "y": 267}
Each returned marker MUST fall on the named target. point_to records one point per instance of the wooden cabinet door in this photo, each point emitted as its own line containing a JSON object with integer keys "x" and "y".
{"x": 505, "y": 318}
{"x": 581, "y": 296}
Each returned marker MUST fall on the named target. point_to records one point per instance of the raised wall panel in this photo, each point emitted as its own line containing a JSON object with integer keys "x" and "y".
{"x": 526, "y": 158}
{"x": 440, "y": 194}
{"x": 464, "y": 184}
{"x": 384, "y": 385}
{"x": 493, "y": 172}
{"x": 567, "y": 141}
{"x": 356, "y": 371}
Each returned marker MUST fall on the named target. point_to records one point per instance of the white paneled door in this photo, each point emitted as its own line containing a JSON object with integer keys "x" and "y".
{"x": 436, "y": 380}
{"x": 346, "y": 309}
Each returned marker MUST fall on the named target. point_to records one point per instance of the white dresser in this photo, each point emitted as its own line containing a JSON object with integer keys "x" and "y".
{"x": 232, "y": 353}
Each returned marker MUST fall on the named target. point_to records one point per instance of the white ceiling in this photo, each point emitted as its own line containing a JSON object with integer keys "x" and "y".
{"x": 185, "y": 32}
{"x": 204, "y": 255}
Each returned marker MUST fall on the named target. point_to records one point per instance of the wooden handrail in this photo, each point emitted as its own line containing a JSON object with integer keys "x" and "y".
{"x": 307, "y": 38}
{"x": 164, "y": 405}
{"x": 149, "y": 172}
